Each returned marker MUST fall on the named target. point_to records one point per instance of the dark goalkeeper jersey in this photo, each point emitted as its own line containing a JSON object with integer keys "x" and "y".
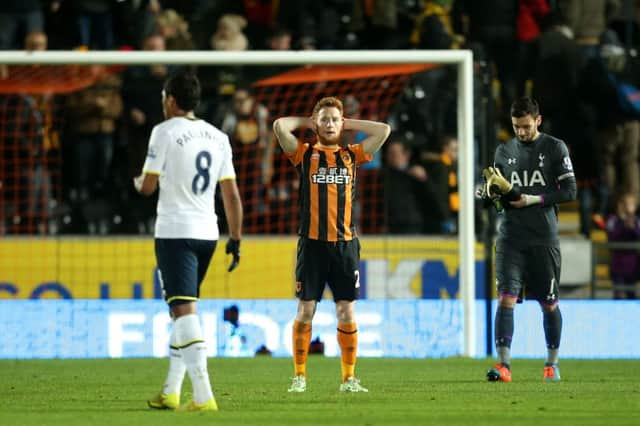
{"x": 537, "y": 168}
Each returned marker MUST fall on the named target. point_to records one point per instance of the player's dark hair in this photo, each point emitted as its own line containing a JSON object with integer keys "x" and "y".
{"x": 185, "y": 89}
{"x": 524, "y": 106}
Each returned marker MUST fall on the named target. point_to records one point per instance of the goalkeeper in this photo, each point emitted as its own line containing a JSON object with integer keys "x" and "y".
{"x": 531, "y": 175}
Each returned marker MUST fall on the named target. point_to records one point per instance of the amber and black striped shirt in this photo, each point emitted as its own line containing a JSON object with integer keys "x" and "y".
{"x": 327, "y": 190}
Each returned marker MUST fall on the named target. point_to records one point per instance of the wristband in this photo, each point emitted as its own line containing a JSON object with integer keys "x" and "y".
{"x": 530, "y": 200}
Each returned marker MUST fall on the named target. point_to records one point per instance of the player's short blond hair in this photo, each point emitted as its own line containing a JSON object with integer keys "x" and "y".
{"x": 328, "y": 102}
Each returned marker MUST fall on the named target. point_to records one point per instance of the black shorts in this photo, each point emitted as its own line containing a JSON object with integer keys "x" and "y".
{"x": 320, "y": 263}
{"x": 533, "y": 271}
{"x": 182, "y": 265}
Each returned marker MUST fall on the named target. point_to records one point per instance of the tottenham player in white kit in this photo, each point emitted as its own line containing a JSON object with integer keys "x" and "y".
{"x": 185, "y": 159}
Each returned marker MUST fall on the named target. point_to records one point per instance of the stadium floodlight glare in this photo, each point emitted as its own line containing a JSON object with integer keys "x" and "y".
{"x": 463, "y": 59}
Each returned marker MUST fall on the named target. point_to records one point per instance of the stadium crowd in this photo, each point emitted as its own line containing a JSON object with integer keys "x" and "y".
{"x": 67, "y": 159}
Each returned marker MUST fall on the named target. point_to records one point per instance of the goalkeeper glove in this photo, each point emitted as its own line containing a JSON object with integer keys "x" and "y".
{"x": 481, "y": 194}
{"x": 233, "y": 247}
{"x": 496, "y": 183}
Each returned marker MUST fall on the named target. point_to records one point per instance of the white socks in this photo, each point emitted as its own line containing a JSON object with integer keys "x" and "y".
{"x": 194, "y": 355}
{"x": 173, "y": 383}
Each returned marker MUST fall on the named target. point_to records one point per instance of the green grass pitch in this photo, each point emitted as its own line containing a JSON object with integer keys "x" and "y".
{"x": 254, "y": 391}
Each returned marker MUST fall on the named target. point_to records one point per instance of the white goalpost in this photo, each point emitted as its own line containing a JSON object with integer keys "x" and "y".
{"x": 463, "y": 59}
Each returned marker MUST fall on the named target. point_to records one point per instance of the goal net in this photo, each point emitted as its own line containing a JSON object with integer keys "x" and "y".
{"x": 51, "y": 185}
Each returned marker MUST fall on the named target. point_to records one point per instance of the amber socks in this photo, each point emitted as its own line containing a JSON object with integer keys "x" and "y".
{"x": 348, "y": 341}
{"x": 301, "y": 337}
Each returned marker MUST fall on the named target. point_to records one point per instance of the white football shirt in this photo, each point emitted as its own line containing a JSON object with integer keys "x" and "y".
{"x": 190, "y": 156}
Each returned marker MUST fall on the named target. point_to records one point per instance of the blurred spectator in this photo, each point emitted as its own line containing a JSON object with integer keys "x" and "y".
{"x": 184, "y": 8}
{"x": 141, "y": 91}
{"x": 17, "y": 19}
{"x": 322, "y": 25}
{"x": 306, "y": 43}
{"x": 60, "y": 26}
{"x": 220, "y": 82}
{"x": 352, "y": 109}
{"x": 442, "y": 168}
{"x": 25, "y": 179}
{"x": 531, "y": 13}
{"x": 94, "y": 23}
{"x": 493, "y": 24}
{"x": 407, "y": 190}
{"x": 282, "y": 190}
{"x": 558, "y": 64}
{"x": 36, "y": 150}
{"x": 618, "y": 128}
{"x": 588, "y": 20}
{"x": 433, "y": 29}
{"x": 262, "y": 18}
{"x": 246, "y": 124}
{"x": 35, "y": 40}
{"x": 375, "y": 22}
{"x": 229, "y": 35}
{"x": 175, "y": 30}
{"x": 427, "y": 108}
{"x": 205, "y": 12}
{"x": 29, "y": 142}
{"x": 140, "y": 21}
{"x": 624, "y": 226}
{"x": 93, "y": 113}
{"x": 626, "y": 23}
{"x": 279, "y": 40}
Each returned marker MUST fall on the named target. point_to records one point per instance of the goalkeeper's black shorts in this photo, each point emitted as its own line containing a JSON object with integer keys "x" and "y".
{"x": 533, "y": 270}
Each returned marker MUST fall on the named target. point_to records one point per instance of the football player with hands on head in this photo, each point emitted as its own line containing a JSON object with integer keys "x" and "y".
{"x": 532, "y": 173}
{"x": 186, "y": 157}
{"x": 328, "y": 248}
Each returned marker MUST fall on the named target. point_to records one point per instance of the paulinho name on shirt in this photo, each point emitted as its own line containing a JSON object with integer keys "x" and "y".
{"x": 188, "y": 136}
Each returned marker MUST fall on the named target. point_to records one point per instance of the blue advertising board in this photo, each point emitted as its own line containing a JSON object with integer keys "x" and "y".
{"x": 387, "y": 328}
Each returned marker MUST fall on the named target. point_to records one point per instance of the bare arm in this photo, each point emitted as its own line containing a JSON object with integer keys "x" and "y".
{"x": 284, "y": 128}
{"x": 146, "y": 183}
{"x": 378, "y": 133}
{"x": 232, "y": 207}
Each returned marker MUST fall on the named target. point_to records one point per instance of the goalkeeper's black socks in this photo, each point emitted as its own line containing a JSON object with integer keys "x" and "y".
{"x": 504, "y": 333}
{"x": 552, "y": 332}
{"x": 504, "y": 326}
